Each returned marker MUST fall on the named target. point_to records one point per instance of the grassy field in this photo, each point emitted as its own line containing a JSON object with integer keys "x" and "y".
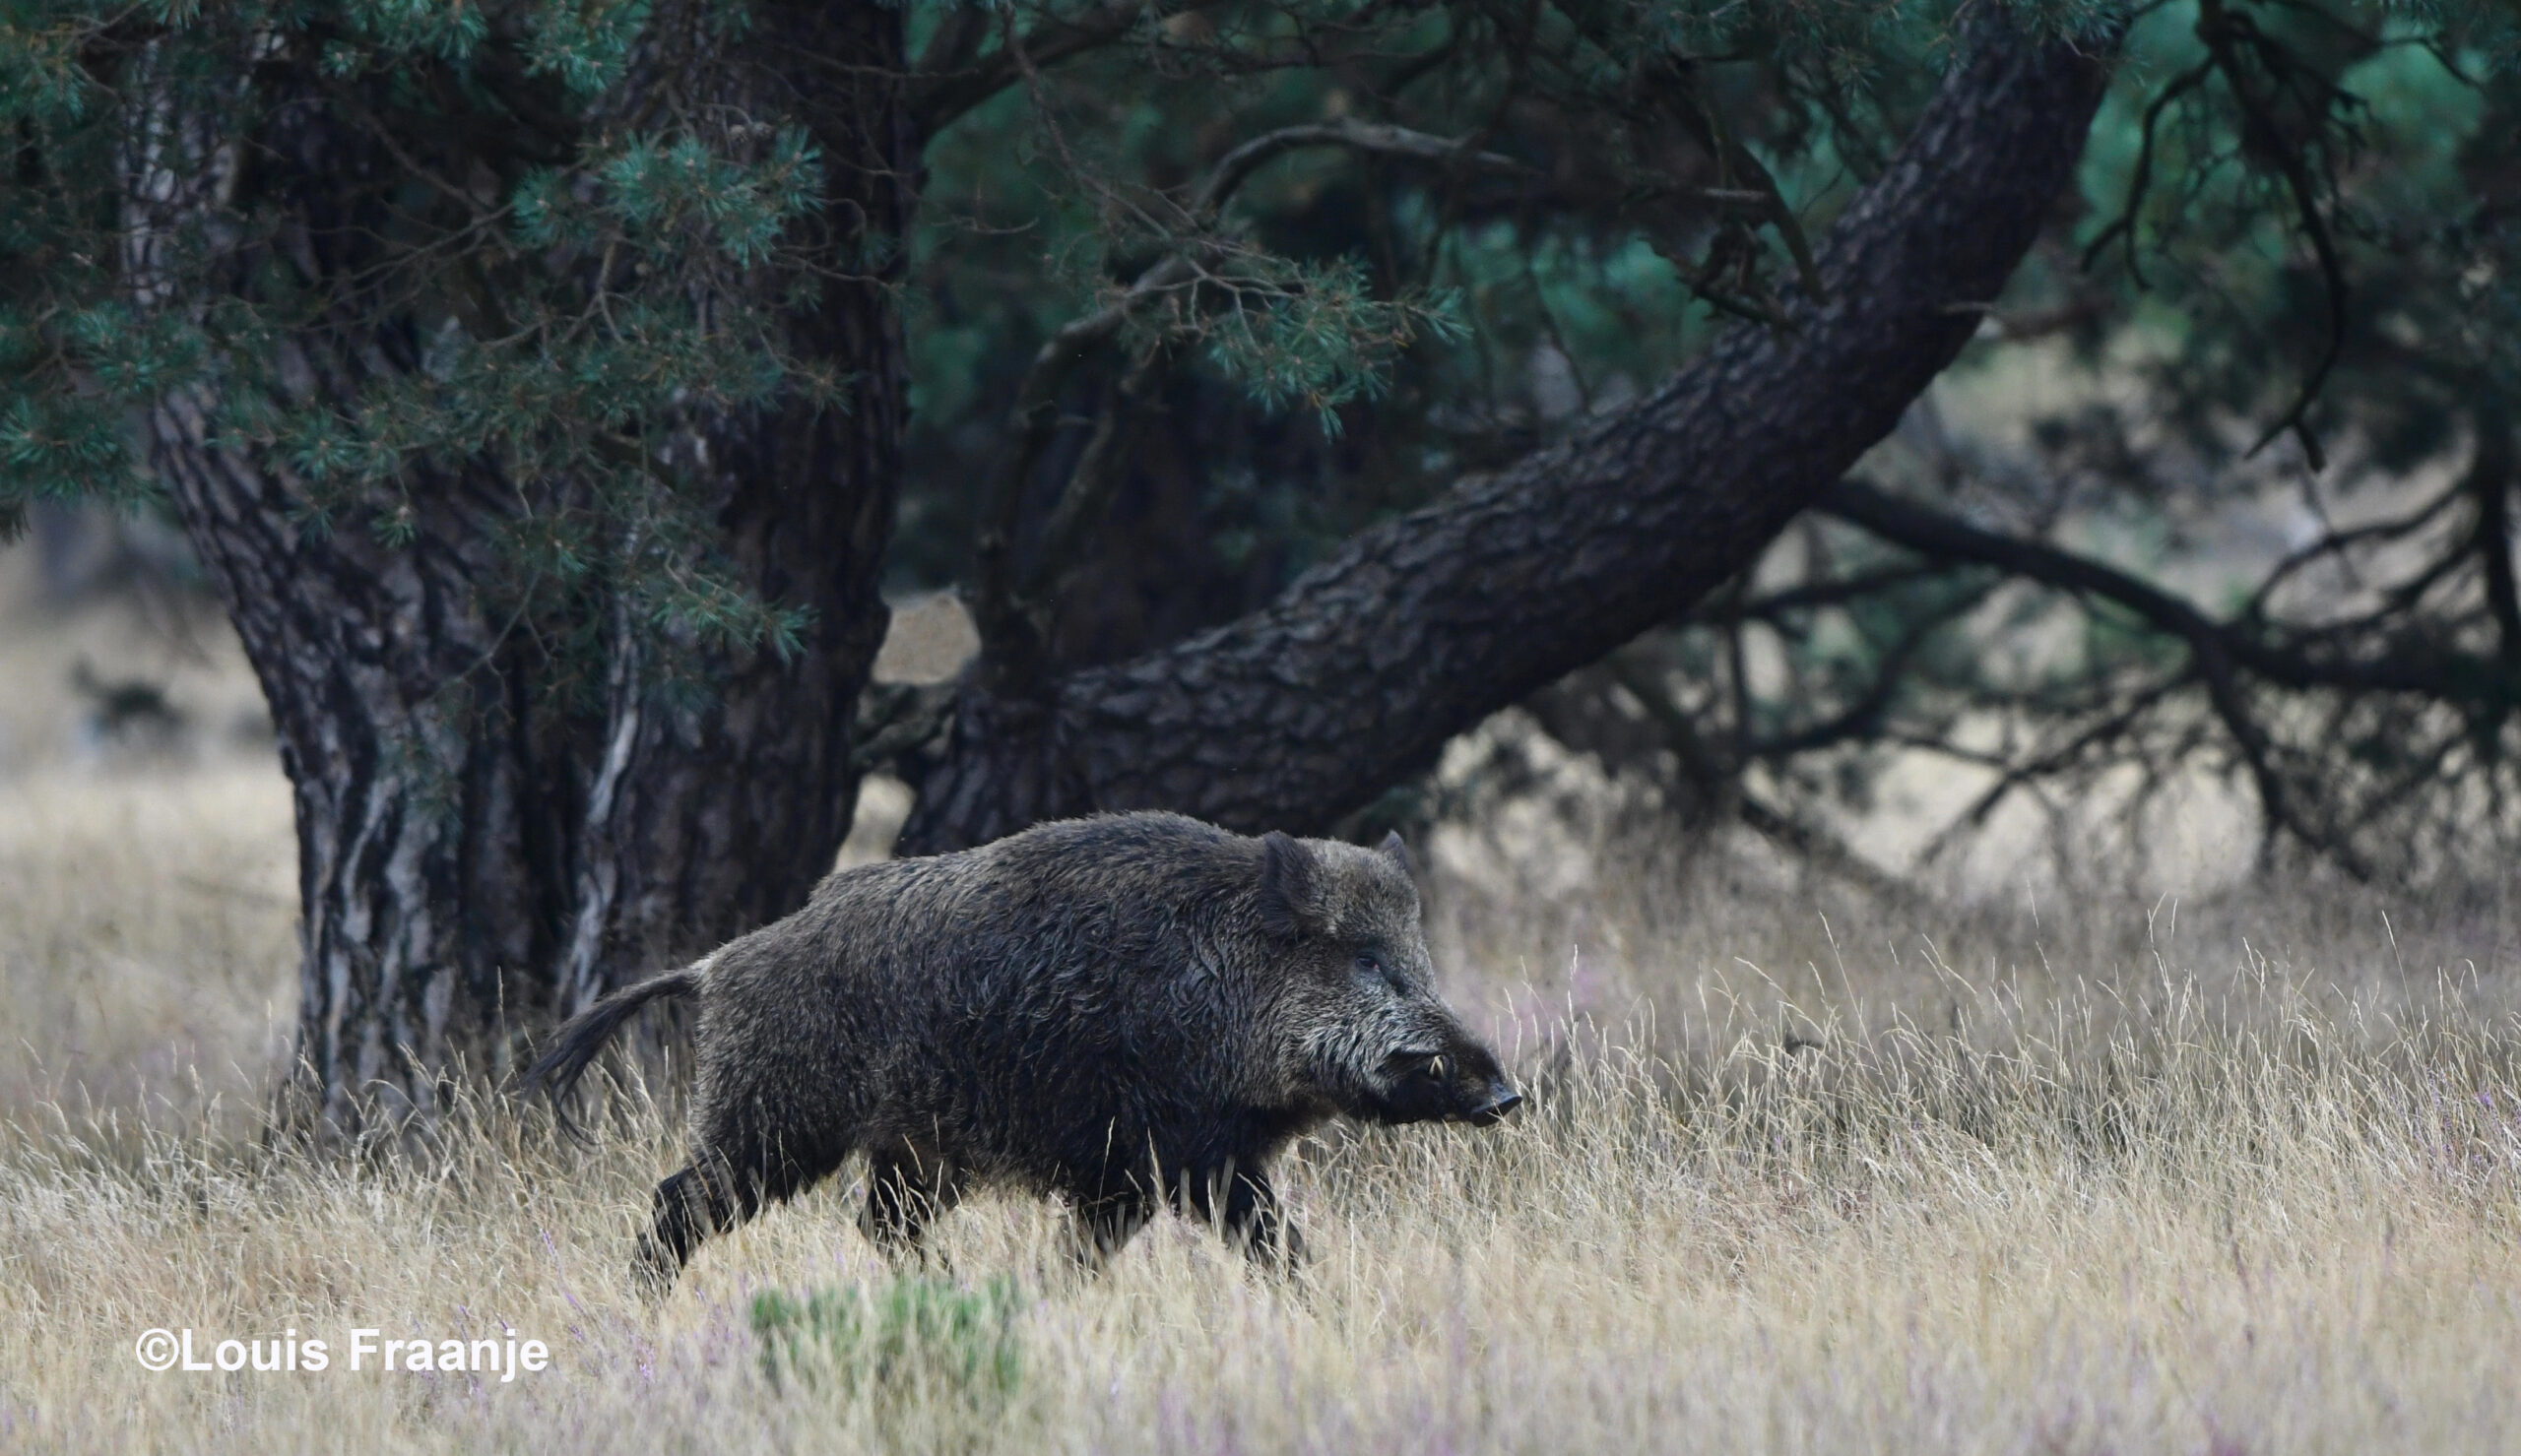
{"x": 1803, "y": 1173}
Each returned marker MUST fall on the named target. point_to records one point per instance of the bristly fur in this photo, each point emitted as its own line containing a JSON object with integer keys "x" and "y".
{"x": 1126, "y": 1011}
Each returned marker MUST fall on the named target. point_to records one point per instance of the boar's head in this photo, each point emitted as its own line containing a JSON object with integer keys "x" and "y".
{"x": 1360, "y": 1024}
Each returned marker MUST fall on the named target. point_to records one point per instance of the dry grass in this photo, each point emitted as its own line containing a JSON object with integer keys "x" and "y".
{"x": 2241, "y": 1181}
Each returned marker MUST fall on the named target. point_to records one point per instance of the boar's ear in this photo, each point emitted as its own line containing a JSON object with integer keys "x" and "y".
{"x": 1397, "y": 853}
{"x": 1288, "y": 875}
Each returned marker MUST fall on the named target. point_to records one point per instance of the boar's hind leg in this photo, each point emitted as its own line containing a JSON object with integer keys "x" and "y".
{"x": 690, "y": 1206}
{"x": 907, "y": 1185}
{"x": 712, "y": 1196}
{"x": 1250, "y": 1218}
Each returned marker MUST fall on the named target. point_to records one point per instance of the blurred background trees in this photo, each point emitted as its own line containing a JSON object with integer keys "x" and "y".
{"x": 550, "y": 389}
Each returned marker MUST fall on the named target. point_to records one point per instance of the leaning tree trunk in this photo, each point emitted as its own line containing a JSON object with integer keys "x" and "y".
{"x": 466, "y": 872}
{"x": 1416, "y": 630}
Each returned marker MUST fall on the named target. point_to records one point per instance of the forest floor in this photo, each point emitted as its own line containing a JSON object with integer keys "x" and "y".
{"x": 1803, "y": 1171}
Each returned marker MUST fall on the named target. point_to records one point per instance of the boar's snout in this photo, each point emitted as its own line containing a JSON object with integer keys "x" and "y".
{"x": 1502, "y": 1102}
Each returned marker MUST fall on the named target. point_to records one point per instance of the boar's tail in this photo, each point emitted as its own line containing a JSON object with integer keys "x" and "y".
{"x": 575, "y": 1046}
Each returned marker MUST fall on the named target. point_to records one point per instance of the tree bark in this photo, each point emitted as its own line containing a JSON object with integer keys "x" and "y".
{"x": 1358, "y": 673}
{"x": 467, "y": 876}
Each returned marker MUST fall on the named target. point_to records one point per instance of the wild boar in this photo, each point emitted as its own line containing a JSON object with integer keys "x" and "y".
{"x": 1125, "y": 1010}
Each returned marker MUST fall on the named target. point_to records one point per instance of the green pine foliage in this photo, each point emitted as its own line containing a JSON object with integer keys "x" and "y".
{"x": 571, "y": 323}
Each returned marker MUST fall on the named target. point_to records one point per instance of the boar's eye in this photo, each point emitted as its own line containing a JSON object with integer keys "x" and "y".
{"x": 1370, "y": 964}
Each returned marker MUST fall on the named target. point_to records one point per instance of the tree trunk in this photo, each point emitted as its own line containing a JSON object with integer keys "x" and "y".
{"x": 1359, "y": 672}
{"x": 467, "y": 872}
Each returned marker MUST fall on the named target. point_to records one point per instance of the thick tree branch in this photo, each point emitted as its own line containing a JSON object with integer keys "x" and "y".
{"x": 1357, "y": 675}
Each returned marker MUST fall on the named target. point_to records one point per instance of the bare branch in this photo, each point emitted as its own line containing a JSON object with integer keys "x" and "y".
{"x": 950, "y": 82}
{"x": 1731, "y": 796}
{"x": 1358, "y": 136}
{"x": 1862, "y": 716}
{"x": 2338, "y": 543}
{"x": 1737, "y": 164}
{"x": 1011, "y": 645}
{"x": 2123, "y": 228}
{"x": 2223, "y": 33}
{"x": 2432, "y": 669}
{"x": 1096, "y": 477}
{"x": 2018, "y": 776}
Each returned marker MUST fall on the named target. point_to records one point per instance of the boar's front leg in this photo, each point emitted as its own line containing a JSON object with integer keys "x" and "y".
{"x": 1107, "y": 1219}
{"x": 907, "y": 1185}
{"x": 1251, "y": 1216}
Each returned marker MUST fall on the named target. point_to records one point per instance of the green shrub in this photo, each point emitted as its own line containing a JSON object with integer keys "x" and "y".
{"x": 916, "y": 1341}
